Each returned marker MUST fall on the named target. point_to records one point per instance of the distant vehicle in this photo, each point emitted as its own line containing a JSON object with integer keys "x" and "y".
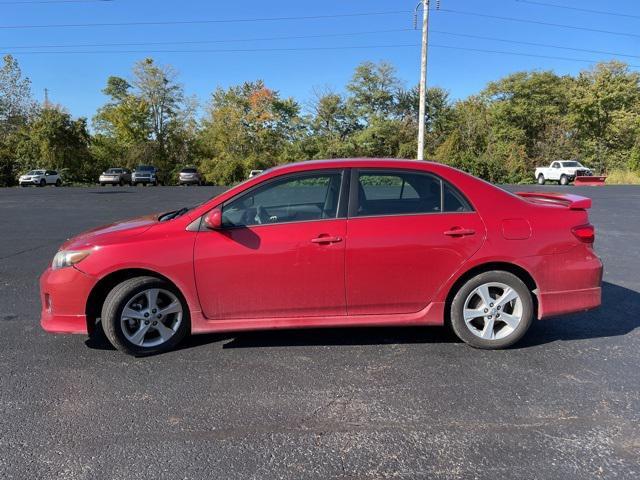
{"x": 40, "y": 178}
{"x": 562, "y": 171}
{"x": 253, "y": 173}
{"x": 115, "y": 176}
{"x": 146, "y": 174}
{"x": 190, "y": 176}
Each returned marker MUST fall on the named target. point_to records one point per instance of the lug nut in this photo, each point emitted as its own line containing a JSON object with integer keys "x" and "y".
{"x": 497, "y": 315}
{"x": 486, "y": 310}
{"x": 146, "y": 314}
{"x": 146, "y": 322}
{"x": 159, "y": 316}
{"x": 491, "y": 304}
{"x": 153, "y": 311}
{"x": 498, "y": 308}
{"x": 489, "y": 317}
{"x": 155, "y": 323}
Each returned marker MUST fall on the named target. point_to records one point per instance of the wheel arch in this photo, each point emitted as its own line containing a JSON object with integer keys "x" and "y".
{"x": 517, "y": 270}
{"x": 101, "y": 289}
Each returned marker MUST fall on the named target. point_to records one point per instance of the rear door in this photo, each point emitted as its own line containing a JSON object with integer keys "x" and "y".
{"x": 407, "y": 233}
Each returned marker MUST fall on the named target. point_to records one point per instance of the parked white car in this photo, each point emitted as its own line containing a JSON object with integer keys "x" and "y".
{"x": 562, "y": 171}
{"x": 253, "y": 173}
{"x": 40, "y": 178}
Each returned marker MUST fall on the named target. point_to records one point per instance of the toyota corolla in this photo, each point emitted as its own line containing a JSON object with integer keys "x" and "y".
{"x": 331, "y": 243}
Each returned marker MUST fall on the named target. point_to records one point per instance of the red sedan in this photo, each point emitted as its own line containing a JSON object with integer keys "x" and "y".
{"x": 328, "y": 244}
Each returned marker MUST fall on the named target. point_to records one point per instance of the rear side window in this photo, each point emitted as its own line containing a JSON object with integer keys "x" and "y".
{"x": 397, "y": 193}
{"x": 454, "y": 201}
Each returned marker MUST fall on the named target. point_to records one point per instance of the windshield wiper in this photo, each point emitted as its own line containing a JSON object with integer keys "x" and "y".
{"x": 173, "y": 214}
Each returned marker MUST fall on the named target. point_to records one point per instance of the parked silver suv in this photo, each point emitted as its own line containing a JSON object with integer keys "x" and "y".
{"x": 190, "y": 176}
{"x": 146, "y": 174}
{"x": 115, "y": 176}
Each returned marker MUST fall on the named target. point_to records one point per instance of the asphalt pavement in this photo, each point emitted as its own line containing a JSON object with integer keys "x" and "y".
{"x": 314, "y": 404}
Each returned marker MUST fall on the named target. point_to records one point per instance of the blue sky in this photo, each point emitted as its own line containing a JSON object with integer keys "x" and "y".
{"x": 75, "y": 80}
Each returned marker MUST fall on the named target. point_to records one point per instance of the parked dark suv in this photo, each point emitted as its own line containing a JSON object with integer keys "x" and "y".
{"x": 146, "y": 174}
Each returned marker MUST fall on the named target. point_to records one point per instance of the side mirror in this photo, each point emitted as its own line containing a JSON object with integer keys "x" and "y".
{"x": 213, "y": 219}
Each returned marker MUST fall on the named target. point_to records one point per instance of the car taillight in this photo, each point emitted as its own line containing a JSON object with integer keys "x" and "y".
{"x": 585, "y": 233}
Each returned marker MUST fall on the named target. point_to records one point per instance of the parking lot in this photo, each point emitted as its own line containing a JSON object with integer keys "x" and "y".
{"x": 338, "y": 403}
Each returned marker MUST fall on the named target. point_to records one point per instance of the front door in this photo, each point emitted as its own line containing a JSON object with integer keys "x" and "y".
{"x": 280, "y": 252}
{"x": 407, "y": 234}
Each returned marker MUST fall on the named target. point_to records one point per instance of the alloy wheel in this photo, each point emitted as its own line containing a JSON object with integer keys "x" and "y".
{"x": 151, "y": 317}
{"x": 493, "y": 311}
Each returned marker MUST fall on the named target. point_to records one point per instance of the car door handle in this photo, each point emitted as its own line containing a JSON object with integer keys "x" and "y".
{"x": 326, "y": 239}
{"x": 459, "y": 232}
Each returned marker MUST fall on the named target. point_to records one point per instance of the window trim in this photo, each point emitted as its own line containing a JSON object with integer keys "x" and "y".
{"x": 341, "y": 210}
{"x": 354, "y": 198}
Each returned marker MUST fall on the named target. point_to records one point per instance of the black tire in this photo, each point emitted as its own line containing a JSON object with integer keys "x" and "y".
{"x": 102, "y": 184}
{"x": 116, "y": 301}
{"x": 457, "y": 307}
{"x": 43, "y": 182}
{"x": 58, "y": 183}
{"x": 564, "y": 180}
{"x": 121, "y": 183}
{"x": 541, "y": 180}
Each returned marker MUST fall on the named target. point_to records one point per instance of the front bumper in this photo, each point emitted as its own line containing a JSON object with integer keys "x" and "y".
{"x": 109, "y": 179}
{"x": 143, "y": 179}
{"x": 63, "y": 294}
{"x": 31, "y": 181}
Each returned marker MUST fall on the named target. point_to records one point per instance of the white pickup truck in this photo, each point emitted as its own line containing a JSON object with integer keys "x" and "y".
{"x": 562, "y": 171}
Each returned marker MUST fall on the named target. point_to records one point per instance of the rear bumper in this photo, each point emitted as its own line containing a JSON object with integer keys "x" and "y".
{"x": 570, "y": 301}
{"x": 568, "y": 282}
{"x": 63, "y": 295}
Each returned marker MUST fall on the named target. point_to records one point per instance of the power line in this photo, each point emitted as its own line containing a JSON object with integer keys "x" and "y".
{"x": 195, "y": 22}
{"x": 537, "y": 22}
{"x": 199, "y": 42}
{"x": 535, "y": 44}
{"x": 327, "y": 35}
{"x": 301, "y": 49}
{"x": 579, "y": 9}
{"x": 26, "y": 2}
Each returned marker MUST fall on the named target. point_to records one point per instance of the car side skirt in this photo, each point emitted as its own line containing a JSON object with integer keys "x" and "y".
{"x": 433, "y": 314}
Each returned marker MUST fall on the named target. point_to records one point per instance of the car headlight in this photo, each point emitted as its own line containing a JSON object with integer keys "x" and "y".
{"x": 67, "y": 258}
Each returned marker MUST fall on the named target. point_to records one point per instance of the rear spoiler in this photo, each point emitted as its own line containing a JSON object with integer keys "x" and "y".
{"x": 569, "y": 200}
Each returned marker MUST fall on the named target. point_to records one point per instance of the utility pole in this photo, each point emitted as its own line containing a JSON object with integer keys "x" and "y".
{"x": 423, "y": 73}
{"x": 46, "y": 98}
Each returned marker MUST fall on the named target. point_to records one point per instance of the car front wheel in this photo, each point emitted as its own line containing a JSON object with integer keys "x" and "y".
{"x": 492, "y": 310}
{"x": 145, "y": 315}
{"x": 541, "y": 180}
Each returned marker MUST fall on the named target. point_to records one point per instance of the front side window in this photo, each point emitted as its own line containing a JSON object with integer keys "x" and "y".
{"x": 397, "y": 193}
{"x": 295, "y": 198}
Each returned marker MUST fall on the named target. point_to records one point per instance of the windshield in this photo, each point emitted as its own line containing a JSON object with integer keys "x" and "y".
{"x": 144, "y": 168}
{"x": 114, "y": 170}
{"x": 571, "y": 164}
{"x": 188, "y": 170}
{"x": 36, "y": 172}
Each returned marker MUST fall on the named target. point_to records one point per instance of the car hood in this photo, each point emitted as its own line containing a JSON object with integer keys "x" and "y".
{"x": 113, "y": 233}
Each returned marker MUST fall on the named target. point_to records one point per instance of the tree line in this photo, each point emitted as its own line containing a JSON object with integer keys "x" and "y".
{"x": 524, "y": 120}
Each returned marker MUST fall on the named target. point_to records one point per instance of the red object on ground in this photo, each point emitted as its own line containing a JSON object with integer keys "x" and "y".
{"x": 595, "y": 180}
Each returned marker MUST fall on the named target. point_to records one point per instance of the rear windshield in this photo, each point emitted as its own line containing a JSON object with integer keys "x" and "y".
{"x": 571, "y": 164}
{"x": 145, "y": 168}
{"x": 114, "y": 170}
{"x": 188, "y": 170}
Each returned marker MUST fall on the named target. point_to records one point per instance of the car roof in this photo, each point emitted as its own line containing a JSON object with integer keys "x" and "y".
{"x": 356, "y": 163}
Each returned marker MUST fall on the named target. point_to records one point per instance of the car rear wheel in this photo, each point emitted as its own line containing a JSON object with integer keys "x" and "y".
{"x": 541, "y": 180}
{"x": 58, "y": 182}
{"x": 145, "y": 315}
{"x": 564, "y": 180}
{"x": 492, "y": 310}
